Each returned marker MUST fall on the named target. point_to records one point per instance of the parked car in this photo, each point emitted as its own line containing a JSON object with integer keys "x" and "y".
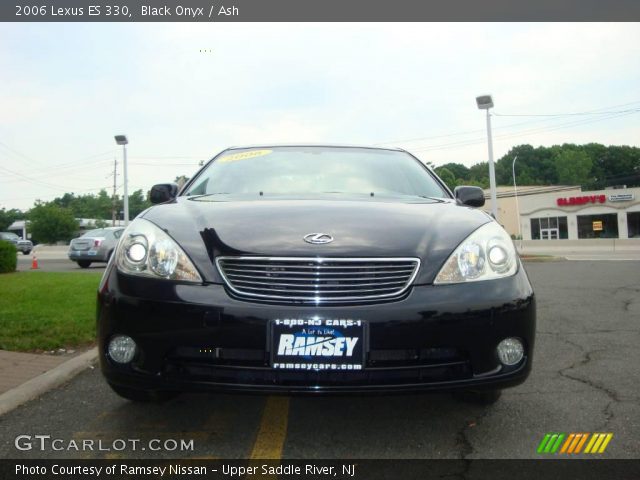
{"x": 24, "y": 246}
{"x": 315, "y": 269}
{"x": 94, "y": 246}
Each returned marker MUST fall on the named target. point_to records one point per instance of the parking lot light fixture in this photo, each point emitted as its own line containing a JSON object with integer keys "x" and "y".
{"x": 122, "y": 140}
{"x": 485, "y": 102}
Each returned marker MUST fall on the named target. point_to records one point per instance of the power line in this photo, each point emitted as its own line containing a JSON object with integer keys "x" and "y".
{"x": 597, "y": 111}
{"x": 504, "y": 127}
{"x": 164, "y": 164}
{"x": 563, "y": 114}
{"x": 552, "y": 128}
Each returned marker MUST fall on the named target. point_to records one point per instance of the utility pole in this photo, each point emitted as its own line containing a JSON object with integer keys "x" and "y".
{"x": 122, "y": 140}
{"x": 114, "y": 200}
{"x": 485, "y": 102}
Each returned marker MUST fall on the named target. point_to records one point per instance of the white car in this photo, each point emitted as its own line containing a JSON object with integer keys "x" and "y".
{"x": 24, "y": 246}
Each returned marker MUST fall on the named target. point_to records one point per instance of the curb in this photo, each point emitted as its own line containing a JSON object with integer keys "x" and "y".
{"x": 544, "y": 259}
{"x": 49, "y": 380}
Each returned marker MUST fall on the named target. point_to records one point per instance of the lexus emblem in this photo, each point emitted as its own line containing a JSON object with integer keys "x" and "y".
{"x": 318, "y": 238}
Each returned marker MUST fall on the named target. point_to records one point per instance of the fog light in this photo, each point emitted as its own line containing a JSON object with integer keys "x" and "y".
{"x": 122, "y": 349}
{"x": 510, "y": 351}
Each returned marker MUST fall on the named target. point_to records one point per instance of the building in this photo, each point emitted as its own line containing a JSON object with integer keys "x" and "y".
{"x": 568, "y": 213}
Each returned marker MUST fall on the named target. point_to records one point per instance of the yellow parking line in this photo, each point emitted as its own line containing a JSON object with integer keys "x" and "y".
{"x": 273, "y": 429}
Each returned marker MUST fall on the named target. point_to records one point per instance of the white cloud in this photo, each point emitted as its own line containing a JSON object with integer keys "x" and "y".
{"x": 67, "y": 89}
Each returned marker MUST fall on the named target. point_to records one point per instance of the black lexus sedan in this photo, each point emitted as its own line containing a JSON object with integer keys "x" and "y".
{"x": 315, "y": 269}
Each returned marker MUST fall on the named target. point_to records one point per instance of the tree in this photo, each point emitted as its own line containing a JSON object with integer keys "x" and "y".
{"x": 181, "y": 180}
{"x": 573, "y": 167}
{"x": 51, "y": 223}
{"x": 7, "y": 217}
{"x": 479, "y": 175}
{"x": 459, "y": 171}
{"x": 447, "y": 177}
{"x": 138, "y": 202}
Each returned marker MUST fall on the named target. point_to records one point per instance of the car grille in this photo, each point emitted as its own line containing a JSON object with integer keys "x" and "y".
{"x": 318, "y": 280}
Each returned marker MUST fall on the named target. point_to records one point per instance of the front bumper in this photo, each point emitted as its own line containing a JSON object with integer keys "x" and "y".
{"x": 197, "y": 337}
{"x": 24, "y": 247}
{"x": 89, "y": 255}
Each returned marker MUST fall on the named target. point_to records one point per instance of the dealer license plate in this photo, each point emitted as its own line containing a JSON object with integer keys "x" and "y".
{"x": 317, "y": 344}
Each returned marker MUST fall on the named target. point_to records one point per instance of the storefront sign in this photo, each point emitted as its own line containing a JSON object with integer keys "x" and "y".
{"x": 597, "y": 226}
{"x": 563, "y": 202}
{"x": 621, "y": 197}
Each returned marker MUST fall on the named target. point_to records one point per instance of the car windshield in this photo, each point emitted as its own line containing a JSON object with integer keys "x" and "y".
{"x": 9, "y": 236}
{"x": 316, "y": 170}
{"x": 100, "y": 232}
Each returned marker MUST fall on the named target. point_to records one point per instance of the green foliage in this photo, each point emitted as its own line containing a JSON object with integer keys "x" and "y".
{"x": 458, "y": 170}
{"x": 100, "y": 224}
{"x": 479, "y": 175}
{"x": 593, "y": 166}
{"x": 87, "y": 206}
{"x": 7, "y": 217}
{"x": 51, "y": 223}
{"x": 573, "y": 167}
{"x": 100, "y": 206}
{"x": 447, "y": 177}
{"x": 8, "y": 259}
{"x": 138, "y": 202}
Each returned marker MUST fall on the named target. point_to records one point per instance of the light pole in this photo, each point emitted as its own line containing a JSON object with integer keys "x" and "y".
{"x": 122, "y": 140}
{"x": 515, "y": 191}
{"x": 485, "y": 102}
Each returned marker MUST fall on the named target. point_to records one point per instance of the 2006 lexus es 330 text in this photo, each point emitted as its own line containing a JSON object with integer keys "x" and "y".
{"x": 315, "y": 269}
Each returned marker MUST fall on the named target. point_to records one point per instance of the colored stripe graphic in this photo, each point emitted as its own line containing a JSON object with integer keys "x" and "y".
{"x": 573, "y": 443}
{"x": 543, "y": 443}
{"x": 565, "y": 447}
{"x": 598, "y": 442}
{"x": 581, "y": 443}
{"x": 550, "y": 443}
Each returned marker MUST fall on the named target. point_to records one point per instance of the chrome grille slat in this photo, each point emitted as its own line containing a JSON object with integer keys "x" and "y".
{"x": 318, "y": 267}
{"x": 236, "y": 276}
{"x": 324, "y": 292}
{"x": 318, "y": 280}
{"x": 316, "y": 286}
{"x": 290, "y": 271}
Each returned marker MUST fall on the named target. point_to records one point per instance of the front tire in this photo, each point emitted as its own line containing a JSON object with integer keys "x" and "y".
{"x": 143, "y": 396}
{"x": 84, "y": 263}
{"x": 27, "y": 252}
{"x": 480, "y": 397}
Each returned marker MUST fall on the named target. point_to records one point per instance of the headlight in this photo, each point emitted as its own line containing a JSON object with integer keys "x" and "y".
{"x": 486, "y": 254}
{"x": 147, "y": 251}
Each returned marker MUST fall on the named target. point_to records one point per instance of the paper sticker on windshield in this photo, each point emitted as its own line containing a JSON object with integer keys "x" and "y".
{"x": 243, "y": 156}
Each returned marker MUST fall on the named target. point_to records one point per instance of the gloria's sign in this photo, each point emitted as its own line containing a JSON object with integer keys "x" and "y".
{"x": 583, "y": 200}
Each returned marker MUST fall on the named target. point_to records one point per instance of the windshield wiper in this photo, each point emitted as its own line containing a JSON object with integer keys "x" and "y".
{"x": 208, "y": 195}
{"x": 435, "y": 199}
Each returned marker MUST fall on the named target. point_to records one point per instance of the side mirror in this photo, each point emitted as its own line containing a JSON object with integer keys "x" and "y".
{"x": 469, "y": 196}
{"x": 163, "y": 192}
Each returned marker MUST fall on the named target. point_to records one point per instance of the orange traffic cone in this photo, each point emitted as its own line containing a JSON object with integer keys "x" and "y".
{"x": 34, "y": 263}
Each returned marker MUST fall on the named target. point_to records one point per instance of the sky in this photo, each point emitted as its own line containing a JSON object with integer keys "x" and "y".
{"x": 183, "y": 92}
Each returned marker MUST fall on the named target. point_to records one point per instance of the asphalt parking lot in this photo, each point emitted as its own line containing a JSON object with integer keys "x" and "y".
{"x": 585, "y": 379}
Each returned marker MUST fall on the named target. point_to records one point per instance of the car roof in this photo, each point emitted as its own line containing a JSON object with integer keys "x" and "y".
{"x": 327, "y": 145}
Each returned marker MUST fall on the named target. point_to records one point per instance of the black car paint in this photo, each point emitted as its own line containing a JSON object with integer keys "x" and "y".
{"x": 162, "y": 315}
{"x": 423, "y": 228}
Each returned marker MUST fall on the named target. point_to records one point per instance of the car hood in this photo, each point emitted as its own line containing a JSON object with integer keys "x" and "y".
{"x": 429, "y": 230}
